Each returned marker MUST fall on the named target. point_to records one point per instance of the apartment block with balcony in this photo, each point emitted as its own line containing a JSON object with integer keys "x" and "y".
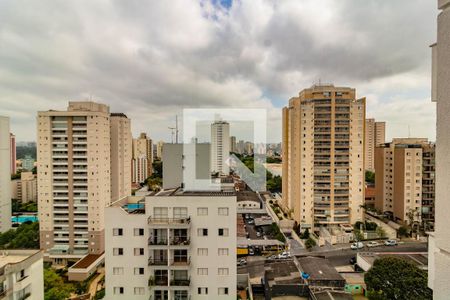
{"x": 77, "y": 151}
{"x": 404, "y": 179}
{"x": 142, "y": 163}
{"x": 323, "y": 156}
{"x": 21, "y": 275}
{"x": 5, "y": 175}
{"x": 375, "y": 134}
{"x": 172, "y": 245}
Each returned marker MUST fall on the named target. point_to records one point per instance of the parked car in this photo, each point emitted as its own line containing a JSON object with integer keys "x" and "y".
{"x": 272, "y": 257}
{"x": 352, "y": 260}
{"x": 390, "y": 243}
{"x": 357, "y": 245}
{"x": 284, "y": 255}
{"x": 258, "y": 234}
{"x": 251, "y": 221}
{"x": 373, "y": 244}
{"x": 251, "y": 251}
{"x": 241, "y": 262}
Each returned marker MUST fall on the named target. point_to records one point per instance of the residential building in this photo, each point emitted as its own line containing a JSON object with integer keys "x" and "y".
{"x": 249, "y": 148}
{"x": 25, "y": 188}
{"x": 21, "y": 275}
{"x": 375, "y": 134}
{"x": 439, "y": 241}
{"x": 220, "y": 147}
{"x": 323, "y": 156}
{"x": 12, "y": 138}
{"x": 174, "y": 162}
{"x": 159, "y": 149}
{"x": 399, "y": 178}
{"x": 5, "y": 175}
{"x": 233, "y": 144}
{"x": 84, "y": 157}
{"x": 173, "y": 245}
{"x": 142, "y": 158}
{"x": 428, "y": 185}
{"x": 240, "y": 147}
{"x": 28, "y": 163}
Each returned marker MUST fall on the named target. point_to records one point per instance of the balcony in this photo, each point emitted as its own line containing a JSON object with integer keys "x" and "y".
{"x": 181, "y": 261}
{"x": 169, "y": 222}
{"x": 180, "y": 282}
{"x": 159, "y": 281}
{"x": 157, "y": 241}
{"x": 180, "y": 241}
{"x": 157, "y": 262}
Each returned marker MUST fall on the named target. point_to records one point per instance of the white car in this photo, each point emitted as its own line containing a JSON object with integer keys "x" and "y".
{"x": 284, "y": 255}
{"x": 241, "y": 262}
{"x": 390, "y": 243}
{"x": 373, "y": 244}
{"x": 356, "y": 246}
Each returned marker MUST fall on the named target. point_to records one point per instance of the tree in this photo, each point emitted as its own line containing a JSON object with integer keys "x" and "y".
{"x": 403, "y": 231}
{"x": 395, "y": 278}
{"x": 305, "y": 234}
{"x": 54, "y": 286}
{"x": 370, "y": 177}
{"x": 310, "y": 243}
{"x": 26, "y": 236}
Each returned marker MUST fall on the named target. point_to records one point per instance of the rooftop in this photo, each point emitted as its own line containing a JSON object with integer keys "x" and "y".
{"x": 8, "y": 257}
{"x": 282, "y": 272}
{"x": 247, "y": 196}
{"x": 86, "y": 261}
{"x": 181, "y": 192}
{"x": 319, "y": 268}
{"x": 331, "y": 295}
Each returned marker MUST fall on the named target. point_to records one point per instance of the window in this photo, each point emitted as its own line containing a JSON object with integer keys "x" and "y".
{"x": 138, "y": 231}
{"x": 202, "y": 211}
{"x": 117, "y": 251}
{"x": 180, "y": 212}
{"x": 117, "y": 231}
{"x": 118, "y": 290}
{"x": 117, "y": 271}
{"x": 202, "y": 232}
{"x": 203, "y": 291}
{"x": 222, "y": 271}
{"x": 202, "y": 271}
{"x": 223, "y": 231}
{"x": 160, "y": 212}
{"x": 223, "y": 251}
{"x": 223, "y": 291}
{"x": 138, "y": 271}
{"x": 202, "y": 251}
{"x": 139, "y": 291}
{"x": 138, "y": 251}
{"x": 223, "y": 211}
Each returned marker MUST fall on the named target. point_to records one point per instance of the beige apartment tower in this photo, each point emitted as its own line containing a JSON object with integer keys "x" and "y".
{"x": 81, "y": 168}
{"x": 400, "y": 171}
{"x": 375, "y": 135}
{"x": 142, "y": 158}
{"x": 323, "y": 156}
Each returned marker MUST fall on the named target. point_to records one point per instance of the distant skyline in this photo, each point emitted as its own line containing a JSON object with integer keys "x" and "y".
{"x": 151, "y": 59}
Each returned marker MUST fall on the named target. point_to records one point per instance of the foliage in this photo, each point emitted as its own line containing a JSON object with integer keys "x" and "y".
{"x": 380, "y": 231}
{"x": 23, "y": 207}
{"x": 403, "y": 231}
{"x": 273, "y": 160}
{"x": 370, "y": 177}
{"x": 395, "y": 278}
{"x": 310, "y": 243}
{"x": 277, "y": 233}
{"x": 100, "y": 294}
{"x": 157, "y": 169}
{"x": 23, "y": 151}
{"x": 16, "y": 176}
{"x": 369, "y": 226}
{"x": 305, "y": 234}
{"x": 54, "y": 286}
{"x": 26, "y": 236}
{"x": 358, "y": 235}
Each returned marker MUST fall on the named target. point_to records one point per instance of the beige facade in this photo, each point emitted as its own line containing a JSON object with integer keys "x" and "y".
{"x": 220, "y": 147}
{"x": 76, "y": 154}
{"x": 5, "y": 175}
{"x": 399, "y": 177}
{"x": 439, "y": 241}
{"x": 323, "y": 156}
{"x": 159, "y": 149}
{"x": 121, "y": 153}
{"x": 142, "y": 163}
{"x": 375, "y": 134}
{"x": 25, "y": 188}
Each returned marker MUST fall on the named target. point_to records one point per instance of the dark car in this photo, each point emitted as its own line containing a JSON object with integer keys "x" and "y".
{"x": 352, "y": 260}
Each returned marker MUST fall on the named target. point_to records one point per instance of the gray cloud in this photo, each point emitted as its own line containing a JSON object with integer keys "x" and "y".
{"x": 150, "y": 59}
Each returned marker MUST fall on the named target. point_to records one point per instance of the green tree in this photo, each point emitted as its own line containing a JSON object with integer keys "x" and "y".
{"x": 26, "y": 236}
{"x": 370, "y": 177}
{"x": 310, "y": 243}
{"x": 54, "y": 286}
{"x": 305, "y": 234}
{"x": 395, "y": 278}
{"x": 403, "y": 231}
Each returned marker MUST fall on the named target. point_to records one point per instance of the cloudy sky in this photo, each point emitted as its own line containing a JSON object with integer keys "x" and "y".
{"x": 151, "y": 59}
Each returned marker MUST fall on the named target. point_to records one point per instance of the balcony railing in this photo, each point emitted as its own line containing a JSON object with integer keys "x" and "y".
{"x": 180, "y": 282}
{"x": 157, "y": 241}
{"x": 180, "y": 240}
{"x": 181, "y": 261}
{"x": 162, "y": 281}
{"x": 157, "y": 262}
{"x": 174, "y": 221}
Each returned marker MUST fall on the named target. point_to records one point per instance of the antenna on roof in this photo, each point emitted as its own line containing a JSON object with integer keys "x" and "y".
{"x": 175, "y": 130}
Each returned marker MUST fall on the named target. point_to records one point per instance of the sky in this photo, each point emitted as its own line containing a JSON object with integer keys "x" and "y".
{"x": 151, "y": 59}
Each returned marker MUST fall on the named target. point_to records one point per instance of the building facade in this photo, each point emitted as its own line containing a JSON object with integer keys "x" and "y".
{"x": 323, "y": 156}
{"x": 142, "y": 158}
{"x": 439, "y": 241}
{"x": 399, "y": 178}
{"x": 233, "y": 144}
{"x": 375, "y": 134}
{"x": 13, "y": 153}
{"x": 178, "y": 245}
{"x": 25, "y": 188}
{"x": 22, "y": 275}
{"x": 5, "y": 175}
{"x": 220, "y": 147}
{"x": 79, "y": 153}
{"x": 159, "y": 149}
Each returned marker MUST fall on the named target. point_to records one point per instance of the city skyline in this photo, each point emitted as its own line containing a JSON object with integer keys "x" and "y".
{"x": 249, "y": 65}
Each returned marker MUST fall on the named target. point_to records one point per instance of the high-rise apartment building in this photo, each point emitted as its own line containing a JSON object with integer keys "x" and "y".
{"x": 220, "y": 147}
{"x": 82, "y": 167}
{"x": 323, "y": 156}
{"x": 233, "y": 144}
{"x": 13, "y": 153}
{"x": 142, "y": 158}
{"x": 25, "y": 188}
{"x": 159, "y": 149}
{"x": 428, "y": 185}
{"x": 375, "y": 134}
{"x": 439, "y": 241}
{"x": 173, "y": 245}
{"x": 240, "y": 147}
{"x": 399, "y": 178}
{"x": 5, "y": 175}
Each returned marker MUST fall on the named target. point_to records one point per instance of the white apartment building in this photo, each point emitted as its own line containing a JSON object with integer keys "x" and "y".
{"x": 174, "y": 245}
{"x": 220, "y": 147}
{"x": 21, "y": 275}
{"x": 142, "y": 163}
{"x": 84, "y": 157}
{"x": 439, "y": 241}
{"x": 5, "y": 175}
